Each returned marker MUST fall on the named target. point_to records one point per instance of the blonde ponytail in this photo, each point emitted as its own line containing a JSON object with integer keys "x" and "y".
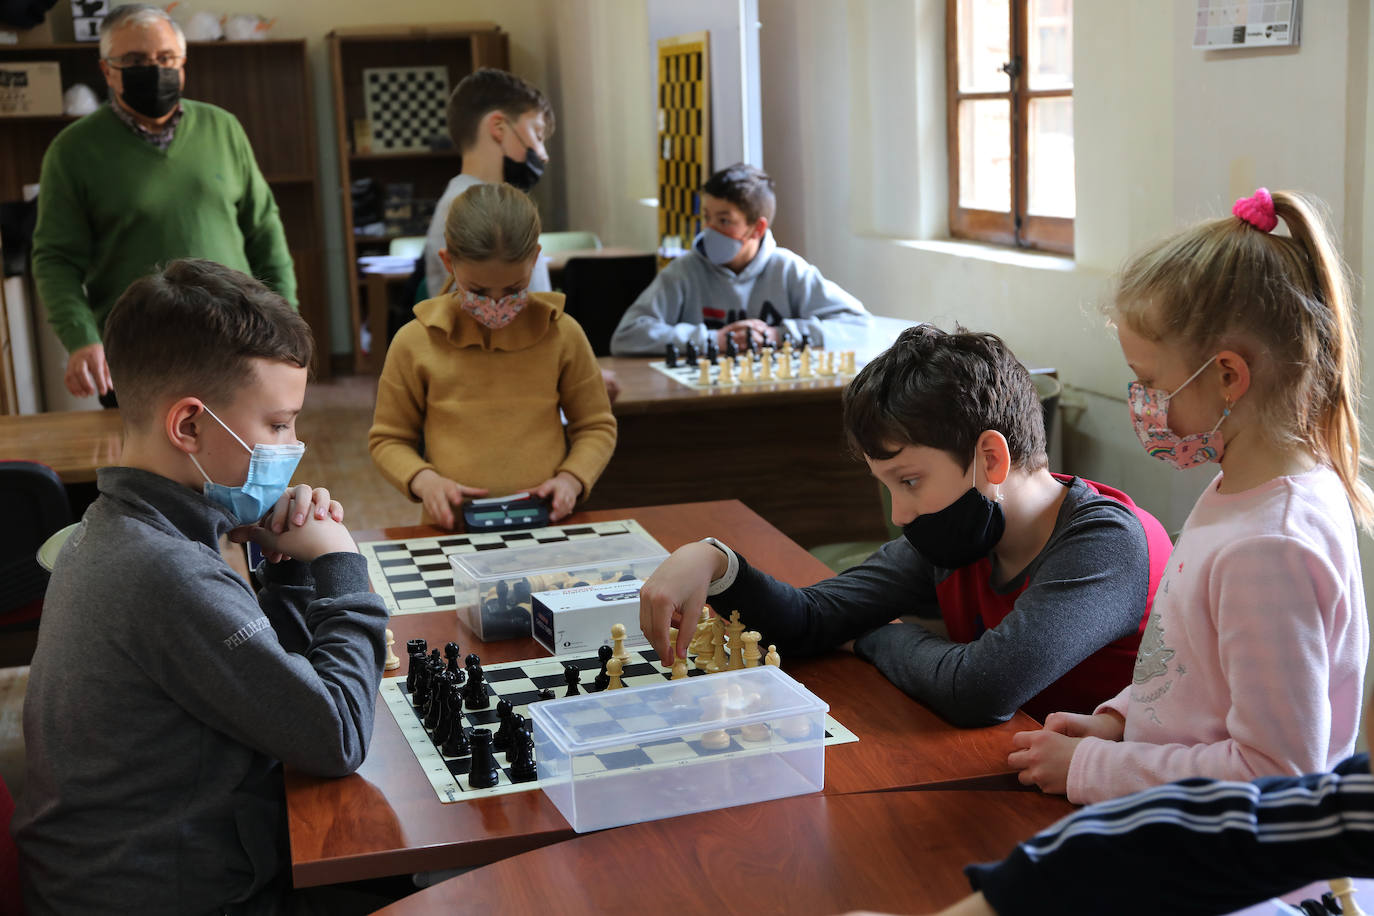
{"x": 491, "y": 222}
{"x": 1286, "y": 302}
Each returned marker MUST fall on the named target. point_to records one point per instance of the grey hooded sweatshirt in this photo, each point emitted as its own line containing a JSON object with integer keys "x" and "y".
{"x": 692, "y": 296}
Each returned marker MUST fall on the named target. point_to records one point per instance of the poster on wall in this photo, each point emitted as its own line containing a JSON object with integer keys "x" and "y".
{"x": 1229, "y": 24}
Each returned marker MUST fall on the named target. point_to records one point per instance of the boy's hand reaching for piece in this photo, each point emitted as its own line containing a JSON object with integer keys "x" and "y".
{"x": 675, "y": 594}
{"x": 561, "y": 490}
{"x": 441, "y": 495}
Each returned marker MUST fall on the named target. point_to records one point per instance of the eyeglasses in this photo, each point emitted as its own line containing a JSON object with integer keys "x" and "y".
{"x": 161, "y": 59}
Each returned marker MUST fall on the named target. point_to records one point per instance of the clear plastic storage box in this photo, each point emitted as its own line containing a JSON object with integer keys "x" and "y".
{"x": 493, "y": 587}
{"x": 641, "y": 753}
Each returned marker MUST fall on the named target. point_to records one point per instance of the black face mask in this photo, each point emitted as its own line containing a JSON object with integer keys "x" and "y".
{"x": 963, "y": 532}
{"x": 522, "y": 175}
{"x": 152, "y": 91}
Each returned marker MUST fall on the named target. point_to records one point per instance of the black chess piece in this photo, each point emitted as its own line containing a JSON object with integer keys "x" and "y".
{"x": 515, "y": 738}
{"x": 571, "y": 675}
{"x": 692, "y": 355}
{"x": 475, "y": 691}
{"x": 505, "y": 710}
{"x": 445, "y": 719}
{"x": 603, "y": 679}
{"x": 452, "y": 653}
{"x": 546, "y": 694}
{"x": 731, "y": 348}
{"x": 483, "y": 773}
{"x": 416, "y": 663}
{"x": 525, "y": 768}
{"x": 1332, "y": 904}
{"x": 424, "y": 679}
{"x": 670, "y": 356}
{"x": 438, "y": 695}
{"x": 712, "y": 354}
{"x": 806, "y": 341}
{"x": 457, "y": 744}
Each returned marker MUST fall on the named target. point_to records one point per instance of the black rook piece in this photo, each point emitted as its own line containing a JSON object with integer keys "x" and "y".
{"x": 483, "y": 773}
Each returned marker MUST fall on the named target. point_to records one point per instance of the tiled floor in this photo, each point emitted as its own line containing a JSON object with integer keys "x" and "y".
{"x": 334, "y": 428}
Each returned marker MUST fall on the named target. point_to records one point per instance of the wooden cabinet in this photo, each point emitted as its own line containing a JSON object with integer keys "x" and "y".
{"x": 266, "y": 85}
{"x": 458, "y": 47}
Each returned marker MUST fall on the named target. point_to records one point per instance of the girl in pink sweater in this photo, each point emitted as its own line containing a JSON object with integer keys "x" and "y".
{"x": 1252, "y": 664}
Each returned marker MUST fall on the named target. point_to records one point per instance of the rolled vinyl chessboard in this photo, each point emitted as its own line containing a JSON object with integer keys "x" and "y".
{"x": 414, "y": 576}
{"x": 520, "y": 682}
{"x": 691, "y": 375}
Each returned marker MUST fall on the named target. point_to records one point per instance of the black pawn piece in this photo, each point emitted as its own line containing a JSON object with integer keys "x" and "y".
{"x": 475, "y": 691}
{"x": 483, "y": 773}
{"x": 603, "y": 680}
{"x": 503, "y": 734}
{"x": 806, "y": 341}
{"x": 670, "y": 356}
{"x": 731, "y": 348}
{"x": 571, "y": 675}
{"x": 712, "y": 353}
{"x": 452, "y": 653}
{"x": 692, "y": 355}
{"x": 524, "y": 768}
{"x": 546, "y": 694}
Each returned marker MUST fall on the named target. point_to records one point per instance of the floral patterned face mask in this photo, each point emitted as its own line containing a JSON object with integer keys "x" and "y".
{"x": 1150, "y": 417}
{"x": 493, "y": 313}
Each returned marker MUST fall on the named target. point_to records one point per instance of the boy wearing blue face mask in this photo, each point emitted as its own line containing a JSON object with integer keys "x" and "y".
{"x": 164, "y": 694}
{"x": 1031, "y": 588}
{"x": 735, "y": 282}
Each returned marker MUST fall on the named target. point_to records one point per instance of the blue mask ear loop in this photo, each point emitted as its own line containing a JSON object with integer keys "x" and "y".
{"x": 206, "y": 408}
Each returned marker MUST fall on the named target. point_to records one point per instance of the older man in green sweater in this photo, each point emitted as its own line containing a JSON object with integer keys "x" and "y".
{"x": 144, "y": 180}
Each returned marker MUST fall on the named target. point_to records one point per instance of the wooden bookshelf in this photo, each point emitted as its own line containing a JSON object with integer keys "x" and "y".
{"x": 266, "y": 85}
{"x": 460, "y": 47}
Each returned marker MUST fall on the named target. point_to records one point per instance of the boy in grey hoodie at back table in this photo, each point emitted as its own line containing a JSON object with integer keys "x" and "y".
{"x": 735, "y": 281}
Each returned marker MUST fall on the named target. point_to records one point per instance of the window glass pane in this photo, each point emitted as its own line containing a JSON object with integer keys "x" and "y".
{"x": 1049, "y": 41}
{"x": 985, "y": 155}
{"x": 1051, "y": 157}
{"x": 984, "y": 45}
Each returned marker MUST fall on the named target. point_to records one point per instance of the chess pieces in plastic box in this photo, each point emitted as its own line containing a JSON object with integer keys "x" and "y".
{"x": 494, "y": 589}
{"x": 578, "y": 619}
{"x": 625, "y": 756}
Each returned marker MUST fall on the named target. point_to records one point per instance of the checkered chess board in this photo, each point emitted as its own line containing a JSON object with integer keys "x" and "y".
{"x": 690, "y": 375}
{"x": 406, "y": 106}
{"x": 520, "y": 683}
{"x": 414, "y": 576}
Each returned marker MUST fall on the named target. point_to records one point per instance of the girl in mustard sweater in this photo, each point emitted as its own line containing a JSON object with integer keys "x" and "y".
{"x": 481, "y": 373}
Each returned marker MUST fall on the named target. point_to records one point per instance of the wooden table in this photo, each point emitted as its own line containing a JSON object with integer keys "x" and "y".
{"x": 780, "y": 449}
{"x": 896, "y": 852}
{"x": 385, "y": 819}
{"x": 73, "y": 443}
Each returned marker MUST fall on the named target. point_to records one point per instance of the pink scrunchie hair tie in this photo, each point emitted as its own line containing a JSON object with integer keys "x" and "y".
{"x": 1257, "y": 210}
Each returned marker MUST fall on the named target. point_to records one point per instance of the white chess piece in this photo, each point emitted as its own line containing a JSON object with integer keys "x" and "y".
{"x": 766, "y": 365}
{"x": 746, "y": 369}
{"x": 785, "y": 364}
{"x": 806, "y": 365}
{"x": 772, "y": 658}
{"x": 618, "y": 643}
{"x": 727, "y": 371}
{"x": 614, "y": 668}
{"x": 704, "y": 380}
{"x": 392, "y": 662}
{"x": 751, "y": 648}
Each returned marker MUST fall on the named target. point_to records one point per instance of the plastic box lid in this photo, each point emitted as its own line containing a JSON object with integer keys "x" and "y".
{"x": 541, "y": 557}
{"x": 576, "y": 725}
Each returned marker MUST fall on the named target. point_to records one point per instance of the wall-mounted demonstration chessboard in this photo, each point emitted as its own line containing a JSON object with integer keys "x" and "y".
{"x": 406, "y": 107}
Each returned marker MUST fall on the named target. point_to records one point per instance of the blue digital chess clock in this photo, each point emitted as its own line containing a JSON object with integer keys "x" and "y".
{"x": 506, "y": 513}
